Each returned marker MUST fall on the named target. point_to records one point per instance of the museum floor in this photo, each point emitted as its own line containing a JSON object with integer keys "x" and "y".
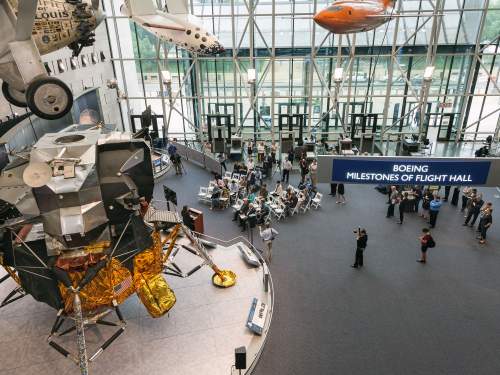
{"x": 395, "y": 316}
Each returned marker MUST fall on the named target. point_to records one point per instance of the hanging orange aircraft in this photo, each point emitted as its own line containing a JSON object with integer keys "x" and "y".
{"x": 353, "y": 16}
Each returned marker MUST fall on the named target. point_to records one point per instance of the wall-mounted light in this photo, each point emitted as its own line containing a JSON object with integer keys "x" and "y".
{"x": 47, "y": 68}
{"x": 73, "y": 63}
{"x": 166, "y": 77}
{"x": 102, "y": 56}
{"x": 94, "y": 58}
{"x": 338, "y": 75}
{"x": 61, "y": 66}
{"x": 252, "y": 75}
{"x": 428, "y": 73}
{"x": 84, "y": 60}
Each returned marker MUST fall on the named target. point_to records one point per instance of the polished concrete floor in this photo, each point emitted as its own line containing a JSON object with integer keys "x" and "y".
{"x": 394, "y": 316}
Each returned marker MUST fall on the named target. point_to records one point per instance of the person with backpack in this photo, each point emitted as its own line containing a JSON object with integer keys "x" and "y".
{"x": 426, "y": 242}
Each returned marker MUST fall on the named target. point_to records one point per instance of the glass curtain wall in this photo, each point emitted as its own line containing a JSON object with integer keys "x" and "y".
{"x": 383, "y": 70}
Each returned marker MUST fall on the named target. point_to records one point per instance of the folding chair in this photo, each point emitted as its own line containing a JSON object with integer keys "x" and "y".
{"x": 316, "y": 201}
{"x": 279, "y": 212}
{"x": 237, "y": 205}
{"x": 203, "y": 194}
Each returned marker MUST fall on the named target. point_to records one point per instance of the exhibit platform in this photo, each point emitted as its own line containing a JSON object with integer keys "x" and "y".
{"x": 198, "y": 336}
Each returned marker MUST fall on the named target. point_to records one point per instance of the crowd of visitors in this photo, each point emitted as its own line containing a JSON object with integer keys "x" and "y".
{"x": 472, "y": 205}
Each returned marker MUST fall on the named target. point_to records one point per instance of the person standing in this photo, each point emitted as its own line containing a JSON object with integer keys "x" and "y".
{"x": 313, "y": 172}
{"x": 447, "y": 189}
{"x": 454, "y": 197}
{"x": 287, "y": 167}
{"x": 361, "y": 241}
{"x": 474, "y": 211}
{"x": 465, "y": 197}
{"x": 261, "y": 150}
{"x": 291, "y": 156}
{"x": 340, "y": 194}
{"x": 426, "y": 204}
{"x": 268, "y": 235}
{"x": 187, "y": 219}
{"x": 426, "y": 242}
{"x": 304, "y": 169}
{"x": 274, "y": 148}
{"x": 333, "y": 189}
{"x": 393, "y": 198}
{"x": 403, "y": 207}
{"x": 222, "y": 161}
{"x": 434, "y": 207}
{"x": 485, "y": 222}
{"x": 250, "y": 149}
{"x": 417, "y": 197}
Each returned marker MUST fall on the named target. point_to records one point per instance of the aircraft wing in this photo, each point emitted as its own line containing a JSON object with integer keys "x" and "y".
{"x": 158, "y": 22}
{"x": 25, "y": 18}
{"x": 177, "y": 6}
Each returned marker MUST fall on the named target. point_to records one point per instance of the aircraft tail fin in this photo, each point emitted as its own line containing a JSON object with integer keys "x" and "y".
{"x": 140, "y": 7}
{"x": 388, "y": 3}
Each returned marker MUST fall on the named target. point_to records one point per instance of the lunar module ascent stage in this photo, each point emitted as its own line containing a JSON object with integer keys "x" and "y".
{"x": 80, "y": 233}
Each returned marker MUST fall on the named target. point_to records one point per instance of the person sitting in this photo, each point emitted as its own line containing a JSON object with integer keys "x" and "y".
{"x": 187, "y": 218}
{"x": 251, "y": 181}
{"x": 263, "y": 213}
{"x": 215, "y": 198}
{"x": 278, "y": 190}
{"x": 251, "y": 211}
{"x": 252, "y": 196}
{"x": 243, "y": 209}
{"x": 291, "y": 203}
{"x": 234, "y": 189}
{"x": 263, "y": 192}
{"x": 250, "y": 165}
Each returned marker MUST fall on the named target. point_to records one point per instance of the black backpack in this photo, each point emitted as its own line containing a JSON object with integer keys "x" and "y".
{"x": 431, "y": 243}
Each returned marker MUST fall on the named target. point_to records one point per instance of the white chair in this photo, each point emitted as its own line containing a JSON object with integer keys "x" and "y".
{"x": 279, "y": 211}
{"x": 305, "y": 206}
{"x": 227, "y": 175}
{"x": 203, "y": 193}
{"x": 316, "y": 201}
{"x": 237, "y": 205}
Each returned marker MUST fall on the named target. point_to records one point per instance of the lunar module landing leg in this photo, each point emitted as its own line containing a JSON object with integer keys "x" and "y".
{"x": 221, "y": 278}
{"x": 82, "y": 359}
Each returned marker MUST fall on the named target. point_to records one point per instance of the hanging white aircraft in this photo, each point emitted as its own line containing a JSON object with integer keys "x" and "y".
{"x": 30, "y": 28}
{"x": 174, "y": 25}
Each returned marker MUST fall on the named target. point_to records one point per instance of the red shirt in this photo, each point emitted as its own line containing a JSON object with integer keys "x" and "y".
{"x": 425, "y": 239}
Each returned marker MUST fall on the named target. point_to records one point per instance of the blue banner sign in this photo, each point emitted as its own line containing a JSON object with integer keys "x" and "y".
{"x": 410, "y": 172}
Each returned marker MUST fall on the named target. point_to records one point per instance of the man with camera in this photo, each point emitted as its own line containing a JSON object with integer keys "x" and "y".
{"x": 361, "y": 241}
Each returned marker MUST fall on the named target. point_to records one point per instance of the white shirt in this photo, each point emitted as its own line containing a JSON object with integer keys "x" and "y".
{"x": 234, "y": 188}
{"x": 287, "y": 165}
{"x": 250, "y": 165}
{"x": 268, "y": 234}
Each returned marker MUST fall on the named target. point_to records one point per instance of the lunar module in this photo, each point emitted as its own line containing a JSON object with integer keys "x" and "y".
{"x": 80, "y": 233}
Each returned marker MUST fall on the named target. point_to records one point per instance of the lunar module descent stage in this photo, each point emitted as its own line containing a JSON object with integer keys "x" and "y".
{"x": 80, "y": 234}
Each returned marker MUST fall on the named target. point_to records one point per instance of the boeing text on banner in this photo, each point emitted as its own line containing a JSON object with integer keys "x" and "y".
{"x": 406, "y": 171}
